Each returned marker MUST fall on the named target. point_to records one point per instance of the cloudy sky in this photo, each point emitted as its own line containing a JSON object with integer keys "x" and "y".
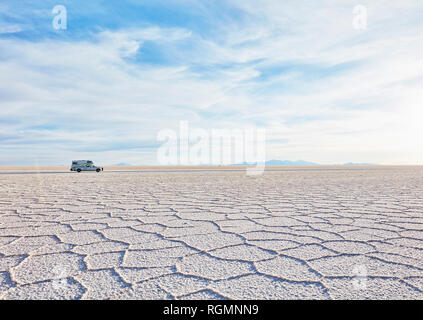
{"x": 121, "y": 71}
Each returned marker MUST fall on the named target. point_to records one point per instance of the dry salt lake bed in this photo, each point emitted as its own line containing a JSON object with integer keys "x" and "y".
{"x": 291, "y": 233}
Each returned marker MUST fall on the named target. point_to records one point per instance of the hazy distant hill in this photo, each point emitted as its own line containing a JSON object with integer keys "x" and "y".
{"x": 300, "y": 163}
{"x": 281, "y": 163}
{"x": 275, "y": 163}
{"x": 122, "y": 164}
{"x": 290, "y": 163}
{"x": 358, "y": 164}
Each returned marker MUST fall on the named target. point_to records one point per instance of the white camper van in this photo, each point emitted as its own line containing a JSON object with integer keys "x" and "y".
{"x": 84, "y": 165}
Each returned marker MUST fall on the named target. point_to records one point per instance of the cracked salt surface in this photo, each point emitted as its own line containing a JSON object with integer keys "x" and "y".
{"x": 291, "y": 234}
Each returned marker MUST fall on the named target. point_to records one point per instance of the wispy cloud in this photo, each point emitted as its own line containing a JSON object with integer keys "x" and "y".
{"x": 10, "y": 29}
{"x": 325, "y": 91}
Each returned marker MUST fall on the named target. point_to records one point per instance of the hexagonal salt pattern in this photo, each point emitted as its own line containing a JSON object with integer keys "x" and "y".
{"x": 288, "y": 234}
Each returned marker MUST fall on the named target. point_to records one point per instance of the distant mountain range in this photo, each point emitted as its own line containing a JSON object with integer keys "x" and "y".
{"x": 122, "y": 164}
{"x": 359, "y": 164}
{"x": 279, "y": 163}
{"x": 300, "y": 163}
{"x": 290, "y": 163}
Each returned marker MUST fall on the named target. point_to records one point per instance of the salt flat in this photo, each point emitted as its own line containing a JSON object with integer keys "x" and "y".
{"x": 322, "y": 233}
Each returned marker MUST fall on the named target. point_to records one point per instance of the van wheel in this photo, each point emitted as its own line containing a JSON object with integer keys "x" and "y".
{"x": 79, "y": 170}
{"x": 98, "y": 170}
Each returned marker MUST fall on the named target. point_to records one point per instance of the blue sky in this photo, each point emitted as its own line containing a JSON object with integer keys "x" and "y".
{"x": 122, "y": 71}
